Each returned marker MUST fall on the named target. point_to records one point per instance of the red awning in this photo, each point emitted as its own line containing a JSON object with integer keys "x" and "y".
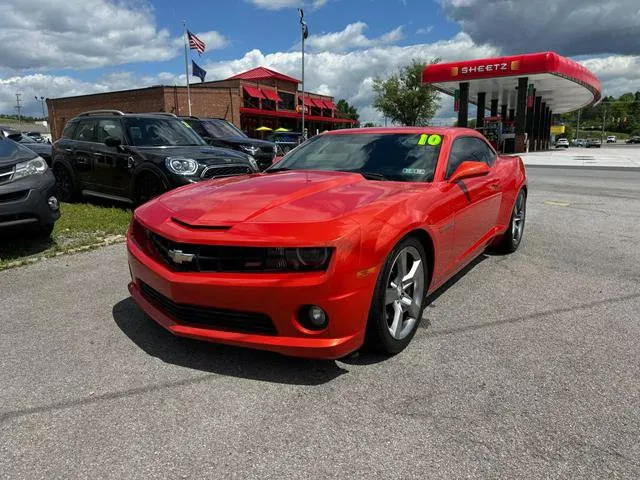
{"x": 253, "y": 92}
{"x": 329, "y": 104}
{"x": 308, "y": 102}
{"x": 271, "y": 94}
{"x": 317, "y": 102}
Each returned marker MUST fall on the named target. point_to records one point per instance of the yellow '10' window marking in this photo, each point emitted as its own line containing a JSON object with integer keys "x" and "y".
{"x": 432, "y": 140}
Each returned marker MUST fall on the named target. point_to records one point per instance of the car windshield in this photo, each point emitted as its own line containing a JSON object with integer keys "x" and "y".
{"x": 379, "y": 156}
{"x": 18, "y": 137}
{"x": 154, "y": 132}
{"x": 221, "y": 128}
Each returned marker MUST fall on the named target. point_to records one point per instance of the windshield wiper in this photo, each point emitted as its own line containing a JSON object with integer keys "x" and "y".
{"x": 367, "y": 175}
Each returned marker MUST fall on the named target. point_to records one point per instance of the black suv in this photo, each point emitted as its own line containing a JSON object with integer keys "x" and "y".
{"x": 221, "y": 133}
{"x": 135, "y": 157}
{"x": 27, "y": 190}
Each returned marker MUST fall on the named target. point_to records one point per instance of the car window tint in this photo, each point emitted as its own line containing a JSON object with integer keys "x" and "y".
{"x": 469, "y": 149}
{"x": 86, "y": 131}
{"x": 109, "y": 128}
{"x": 68, "y": 130}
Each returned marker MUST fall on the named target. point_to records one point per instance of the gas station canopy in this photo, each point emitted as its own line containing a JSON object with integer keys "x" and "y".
{"x": 563, "y": 84}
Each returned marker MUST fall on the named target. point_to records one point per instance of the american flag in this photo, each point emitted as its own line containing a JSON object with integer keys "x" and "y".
{"x": 195, "y": 43}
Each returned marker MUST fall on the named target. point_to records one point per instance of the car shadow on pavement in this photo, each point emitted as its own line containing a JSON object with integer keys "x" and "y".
{"x": 217, "y": 358}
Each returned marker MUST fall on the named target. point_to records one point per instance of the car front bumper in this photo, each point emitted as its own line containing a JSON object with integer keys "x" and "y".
{"x": 278, "y": 296}
{"x": 24, "y": 202}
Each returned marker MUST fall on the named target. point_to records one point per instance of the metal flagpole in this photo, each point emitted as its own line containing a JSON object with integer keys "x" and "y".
{"x": 186, "y": 66}
{"x": 302, "y": 28}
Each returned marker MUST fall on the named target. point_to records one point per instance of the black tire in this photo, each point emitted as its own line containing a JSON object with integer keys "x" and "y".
{"x": 378, "y": 335}
{"x": 147, "y": 186}
{"x": 512, "y": 238}
{"x": 44, "y": 231}
{"x": 65, "y": 185}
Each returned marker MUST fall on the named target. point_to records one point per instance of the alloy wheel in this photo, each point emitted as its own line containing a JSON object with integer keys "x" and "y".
{"x": 404, "y": 293}
{"x": 517, "y": 225}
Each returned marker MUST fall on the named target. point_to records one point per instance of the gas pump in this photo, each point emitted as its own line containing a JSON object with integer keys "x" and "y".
{"x": 493, "y": 131}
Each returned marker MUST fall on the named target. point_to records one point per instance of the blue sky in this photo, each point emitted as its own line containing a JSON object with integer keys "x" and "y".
{"x": 59, "y": 48}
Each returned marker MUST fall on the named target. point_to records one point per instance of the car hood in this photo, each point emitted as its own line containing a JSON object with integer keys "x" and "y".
{"x": 203, "y": 152}
{"x": 286, "y": 197}
{"x": 39, "y": 148}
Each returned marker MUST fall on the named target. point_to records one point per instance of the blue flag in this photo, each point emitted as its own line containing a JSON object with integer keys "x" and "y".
{"x": 197, "y": 71}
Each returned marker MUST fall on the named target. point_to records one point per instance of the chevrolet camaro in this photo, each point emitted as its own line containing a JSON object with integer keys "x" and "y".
{"x": 336, "y": 246}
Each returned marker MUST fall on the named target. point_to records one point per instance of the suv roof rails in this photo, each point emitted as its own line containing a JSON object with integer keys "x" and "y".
{"x": 164, "y": 114}
{"x": 101, "y": 112}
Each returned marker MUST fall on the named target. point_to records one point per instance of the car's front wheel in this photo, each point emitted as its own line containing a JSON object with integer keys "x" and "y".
{"x": 147, "y": 186}
{"x": 399, "y": 298}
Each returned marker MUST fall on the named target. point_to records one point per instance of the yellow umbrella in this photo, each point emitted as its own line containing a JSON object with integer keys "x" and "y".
{"x": 282, "y": 129}
{"x": 264, "y": 129}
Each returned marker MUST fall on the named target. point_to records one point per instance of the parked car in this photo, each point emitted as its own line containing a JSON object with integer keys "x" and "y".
{"x": 134, "y": 157}
{"x": 593, "y": 143}
{"x": 37, "y": 136}
{"x": 27, "y": 190}
{"x": 581, "y": 142}
{"x": 634, "y": 139}
{"x": 337, "y": 244}
{"x": 611, "y": 139}
{"x": 562, "y": 142}
{"x": 42, "y": 149}
{"x": 221, "y": 133}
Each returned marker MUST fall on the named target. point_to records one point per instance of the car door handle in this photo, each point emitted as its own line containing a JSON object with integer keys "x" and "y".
{"x": 97, "y": 154}
{"x": 68, "y": 150}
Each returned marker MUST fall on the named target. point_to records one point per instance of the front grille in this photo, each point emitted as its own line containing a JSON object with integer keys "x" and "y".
{"x": 14, "y": 196}
{"x": 268, "y": 150}
{"x": 218, "y": 319}
{"x": 5, "y": 174}
{"x": 216, "y": 258}
{"x": 216, "y": 171}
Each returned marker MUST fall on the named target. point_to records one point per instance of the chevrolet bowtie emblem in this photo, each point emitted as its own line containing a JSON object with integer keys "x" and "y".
{"x": 179, "y": 257}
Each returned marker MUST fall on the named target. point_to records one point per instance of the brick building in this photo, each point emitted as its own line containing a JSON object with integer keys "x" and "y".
{"x": 256, "y": 98}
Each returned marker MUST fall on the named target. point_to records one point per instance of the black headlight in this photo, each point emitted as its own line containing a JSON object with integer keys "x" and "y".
{"x": 298, "y": 259}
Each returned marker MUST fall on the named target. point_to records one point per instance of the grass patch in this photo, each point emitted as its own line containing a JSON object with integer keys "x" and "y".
{"x": 81, "y": 227}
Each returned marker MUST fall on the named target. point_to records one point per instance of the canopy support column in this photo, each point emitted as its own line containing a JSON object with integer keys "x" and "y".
{"x": 521, "y": 113}
{"x": 494, "y": 107}
{"x": 481, "y": 109}
{"x": 463, "y": 107}
{"x": 503, "y": 112}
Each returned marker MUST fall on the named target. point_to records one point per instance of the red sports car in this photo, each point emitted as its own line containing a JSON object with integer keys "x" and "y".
{"x": 335, "y": 246}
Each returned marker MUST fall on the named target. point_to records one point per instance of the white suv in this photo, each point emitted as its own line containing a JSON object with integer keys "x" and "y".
{"x": 562, "y": 142}
{"x": 611, "y": 139}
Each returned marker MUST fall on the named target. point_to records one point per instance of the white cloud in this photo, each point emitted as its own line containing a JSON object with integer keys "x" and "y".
{"x": 82, "y": 34}
{"x": 618, "y": 73}
{"x": 282, "y": 4}
{"x": 350, "y": 38}
{"x": 571, "y": 27}
{"x": 425, "y": 30}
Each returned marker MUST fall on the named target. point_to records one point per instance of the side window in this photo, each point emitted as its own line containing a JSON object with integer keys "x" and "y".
{"x": 85, "y": 132}
{"x": 468, "y": 149}
{"x": 68, "y": 130}
{"x": 198, "y": 128}
{"x": 109, "y": 128}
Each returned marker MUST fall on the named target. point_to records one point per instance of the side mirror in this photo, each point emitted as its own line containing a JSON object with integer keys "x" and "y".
{"x": 469, "y": 169}
{"x": 112, "y": 142}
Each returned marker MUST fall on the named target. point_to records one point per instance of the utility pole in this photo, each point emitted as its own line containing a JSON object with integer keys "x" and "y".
{"x": 578, "y": 127}
{"x": 304, "y": 33}
{"x": 18, "y": 107}
{"x": 604, "y": 118}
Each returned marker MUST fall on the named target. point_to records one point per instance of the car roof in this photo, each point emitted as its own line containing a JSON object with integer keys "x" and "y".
{"x": 456, "y": 131}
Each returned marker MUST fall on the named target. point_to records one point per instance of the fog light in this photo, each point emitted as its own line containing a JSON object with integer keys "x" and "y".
{"x": 313, "y": 317}
{"x": 53, "y": 203}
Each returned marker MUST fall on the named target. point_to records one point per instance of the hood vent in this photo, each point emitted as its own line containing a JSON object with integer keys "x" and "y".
{"x": 201, "y": 227}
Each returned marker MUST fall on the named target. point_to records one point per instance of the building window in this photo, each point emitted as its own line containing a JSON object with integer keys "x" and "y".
{"x": 288, "y": 100}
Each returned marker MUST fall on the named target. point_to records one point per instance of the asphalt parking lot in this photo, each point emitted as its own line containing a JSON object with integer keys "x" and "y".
{"x": 530, "y": 368}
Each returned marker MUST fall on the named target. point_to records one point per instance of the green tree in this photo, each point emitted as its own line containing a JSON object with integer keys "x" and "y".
{"x": 347, "y": 111}
{"x": 404, "y": 99}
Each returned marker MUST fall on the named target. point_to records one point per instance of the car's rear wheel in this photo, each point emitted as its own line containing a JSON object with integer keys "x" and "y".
{"x": 513, "y": 236}
{"x": 65, "y": 188}
{"x": 147, "y": 186}
{"x": 399, "y": 298}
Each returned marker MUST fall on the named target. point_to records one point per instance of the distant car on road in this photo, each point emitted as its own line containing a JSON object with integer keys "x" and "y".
{"x": 134, "y": 157}
{"x": 611, "y": 139}
{"x": 42, "y": 149}
{"x": 27, "y": 190}
{"x": 593, "y": 143}
{"x": 562, "y": 142}
{"x": 580, "y": 142}
{"x": 634, "y": 139}
{"x": 221, "y": 133}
